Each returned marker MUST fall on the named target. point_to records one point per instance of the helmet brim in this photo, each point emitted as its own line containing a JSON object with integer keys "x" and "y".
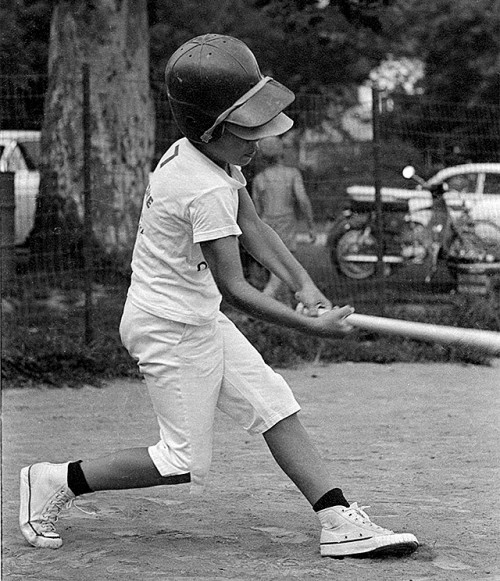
{"x": 262, "y": 106}
{"x": 276, "y": 126}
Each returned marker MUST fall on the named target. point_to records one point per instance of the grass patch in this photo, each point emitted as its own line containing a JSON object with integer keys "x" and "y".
{"x": 283, "y": 347}
{"x": 46, "y": 346}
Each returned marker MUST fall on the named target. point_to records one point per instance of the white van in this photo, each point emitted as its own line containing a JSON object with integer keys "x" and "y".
{"x": 20, "y": 153}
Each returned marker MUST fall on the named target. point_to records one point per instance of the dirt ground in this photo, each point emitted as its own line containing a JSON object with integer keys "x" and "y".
{"x": 418, "y": 443}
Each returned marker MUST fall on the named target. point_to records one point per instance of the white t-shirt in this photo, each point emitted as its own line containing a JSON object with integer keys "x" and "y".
{"x": 189, "y": 200}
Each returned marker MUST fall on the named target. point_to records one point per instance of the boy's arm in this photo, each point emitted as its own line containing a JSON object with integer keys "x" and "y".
{"x": 223, "y": 258}
{"x": 268, "y": 249}
{"x": 303, "y": 200}
{"x": 257, "y": 196}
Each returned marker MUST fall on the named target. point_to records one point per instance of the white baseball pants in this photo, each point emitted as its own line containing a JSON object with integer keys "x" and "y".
{"x": 190, "y": 371}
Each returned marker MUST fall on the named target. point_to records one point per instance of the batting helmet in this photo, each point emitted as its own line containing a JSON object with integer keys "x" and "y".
{"x": 214, "y": 82}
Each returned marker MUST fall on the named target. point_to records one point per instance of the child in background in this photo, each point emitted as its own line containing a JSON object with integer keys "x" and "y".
{"x": 280, "y": 197}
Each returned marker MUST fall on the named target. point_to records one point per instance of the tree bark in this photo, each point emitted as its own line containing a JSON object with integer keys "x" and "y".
{"x": 112, "y": 37}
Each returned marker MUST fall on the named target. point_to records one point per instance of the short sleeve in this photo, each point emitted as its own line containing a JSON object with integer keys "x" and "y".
{"x": 214, "y": 215}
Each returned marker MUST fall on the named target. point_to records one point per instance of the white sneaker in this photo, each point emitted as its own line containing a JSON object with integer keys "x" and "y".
{"x": 349, "y": 531}
{"x": 44, "y": 493}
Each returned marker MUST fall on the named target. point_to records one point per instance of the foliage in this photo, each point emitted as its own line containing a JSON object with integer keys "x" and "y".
{"x": 24, "y": 46}
{"x": 396, "y": 75}
{"x": 343, "y": 39}
{"x": 25, "y": 36}
{"x": 287, "y": 348}
{"x": 448, "y": 133}
{"x": 338, "y": 52}
{"x": 58, "y": 363}
{"x": 280, "y": 36}
{"x": 359, "y": 13}
{"x": 50, "y": 349}
{"x": 458, "y": 40}
{"x": 48, "y": 346}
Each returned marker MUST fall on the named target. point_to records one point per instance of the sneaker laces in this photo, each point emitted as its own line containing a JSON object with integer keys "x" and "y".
{"x": 358, "y": 512}
{"x": 61, "y": 501}
{"x": 72, "y": 503}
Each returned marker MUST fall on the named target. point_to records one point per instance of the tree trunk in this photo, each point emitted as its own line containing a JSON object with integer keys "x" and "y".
{"x": 112, "y": 37}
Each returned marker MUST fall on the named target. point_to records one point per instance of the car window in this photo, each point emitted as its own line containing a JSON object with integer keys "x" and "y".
{"x": 14, "y": 160}
{"x": 463, "y": 183}
{"x": 31, "y": 153}
{"x": 492, "y": 184}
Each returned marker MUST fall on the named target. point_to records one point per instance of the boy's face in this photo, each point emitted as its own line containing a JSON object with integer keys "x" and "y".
{"x": 231, "y": 149}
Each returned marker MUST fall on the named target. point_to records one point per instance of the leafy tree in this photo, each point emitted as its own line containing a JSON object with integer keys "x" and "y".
{"x": 24, "y": 46}
{"x": 458, "y": 40}
{"x": 25, "y": 36}
{"x": 313, "y": 46}
{"x": 173, "y": 23}
{"x": 308, "y": 44}
{"x": 457, "y": 120}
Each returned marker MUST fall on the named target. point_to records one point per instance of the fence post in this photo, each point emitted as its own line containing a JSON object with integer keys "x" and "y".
{"x": 379, "y": 227}
{"x": 87, "y": 206}
{"x": 8, "y": 231}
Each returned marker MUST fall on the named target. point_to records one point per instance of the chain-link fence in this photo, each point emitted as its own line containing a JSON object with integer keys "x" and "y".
{"x": 59, "y": 255}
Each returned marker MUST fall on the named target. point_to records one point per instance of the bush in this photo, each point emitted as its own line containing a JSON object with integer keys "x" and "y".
{"x": 49, "y": 349}
{"x": 280, "y": 347}
{"x": 71, "y": 363}
{"x": 47, "y": 346}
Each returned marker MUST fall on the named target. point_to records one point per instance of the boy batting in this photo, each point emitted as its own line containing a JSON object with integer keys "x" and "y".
{"x": 196, "y": 212}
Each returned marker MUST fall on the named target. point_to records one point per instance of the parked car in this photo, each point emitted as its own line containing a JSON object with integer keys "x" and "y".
{"x": 20, "y": 153}
{"x": 475, "y": 185}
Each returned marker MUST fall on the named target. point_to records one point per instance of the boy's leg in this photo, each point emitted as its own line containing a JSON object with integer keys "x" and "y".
{"x": 262, "y": 402}
{"x": 183, "y": 368}
{"x": 296, "y": 455}
{"x": 132, "y": 468}
{"x": 48, "y": 488}
{"x": 346, "y": 529}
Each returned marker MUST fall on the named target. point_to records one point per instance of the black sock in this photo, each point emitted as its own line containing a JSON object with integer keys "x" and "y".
{"x": 76, "y": 479}
{"x": 333, "y": 497}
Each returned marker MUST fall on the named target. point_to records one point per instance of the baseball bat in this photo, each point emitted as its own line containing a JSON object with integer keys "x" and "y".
{"x": 486, "y": 340}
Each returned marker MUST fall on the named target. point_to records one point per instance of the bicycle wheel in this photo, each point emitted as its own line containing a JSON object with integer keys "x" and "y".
{"x": 353, "y": 242}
